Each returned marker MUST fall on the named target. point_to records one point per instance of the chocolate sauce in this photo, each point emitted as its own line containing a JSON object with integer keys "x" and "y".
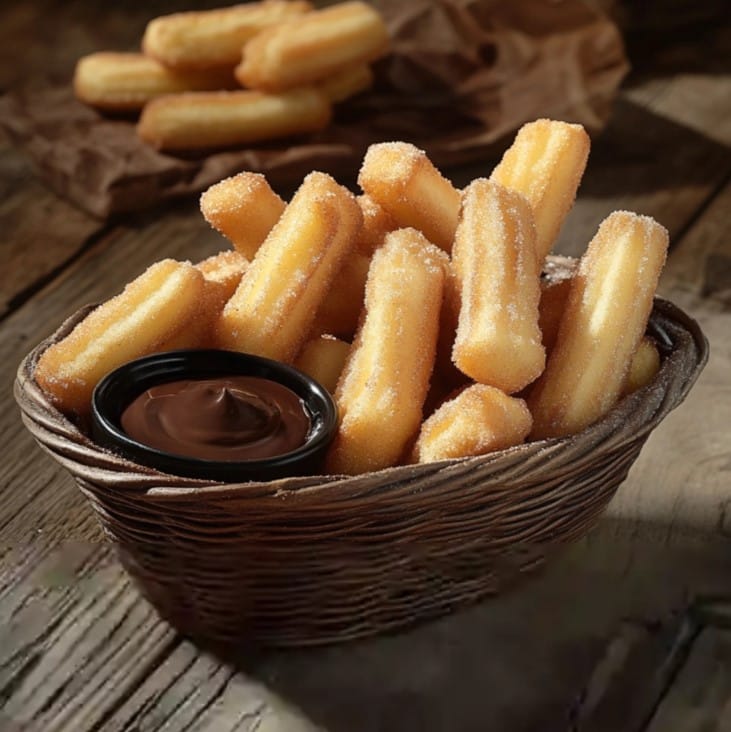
{"x": 227, "y": 418}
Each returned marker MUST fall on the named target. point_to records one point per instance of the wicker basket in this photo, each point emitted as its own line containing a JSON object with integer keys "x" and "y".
{"x": 320, "y": 559}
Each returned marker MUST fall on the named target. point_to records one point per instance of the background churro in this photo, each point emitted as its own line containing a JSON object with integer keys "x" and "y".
{"x": 222, "y": 119}
{"x": 210, "y": 38}
{"x": 313, "y": 47}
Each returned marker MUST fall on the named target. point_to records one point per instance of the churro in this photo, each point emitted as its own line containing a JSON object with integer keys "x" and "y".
{"x": 340, "y": 310}
{"x": 554, "y": 294}
{"x": 152, "y": 308}
{"x": 271, "y": 312}
{"x": 222, "y": 273}
{"x": 385, "y": 380}
{"x": 244, "y": 209}
{"x": 604, "y": 320}
{"x": 347, "y": 83}
{"x": 199, "y": 120}
{"x": 401, "y": 179}
{"x": 313, "y": 47}
{"x": 127, "y": 81}
{"x": 644, "y": 367}
{"x": 545, "y": 163}
{"x": 323, "y": 358}
{"x": 497, "y": 341}
{"x": 209, "y": 38}
{"x": 377, "y": 222}
{"x": 480, "y": 419}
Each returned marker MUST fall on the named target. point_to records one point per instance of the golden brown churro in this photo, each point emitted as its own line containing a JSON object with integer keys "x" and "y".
{"x": 127, "y": 81}
{"x": 480, "y": 419}
{"x": 347, "y": 83}
{"x": 401, "y": 179}
{"x": 222, "y": 273}
{"x": 152, "y": 308}
{"x": 385, "y": 381}
{"x": 545, "y": 163}
{"x": 244, "y": 209}
{"x": 644, "y": 367}
{"x": 198, "y": 120}
{"x": 340, "y": 310}
{"x": 271, "y": 312}
{"x": 313, "y": 47}
{"x": 323, "y": 358}
{"x": 202, "y": 39}
{"x": 604, "y": 320}
{"x": 377, "y": 222}
{"x": 498, "y": 341}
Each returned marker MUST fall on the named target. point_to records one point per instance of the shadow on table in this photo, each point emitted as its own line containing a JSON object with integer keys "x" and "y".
{"x": 515, "y": 663}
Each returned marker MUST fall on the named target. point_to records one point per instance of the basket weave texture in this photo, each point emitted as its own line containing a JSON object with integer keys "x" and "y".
{"x": 319, "y": 559}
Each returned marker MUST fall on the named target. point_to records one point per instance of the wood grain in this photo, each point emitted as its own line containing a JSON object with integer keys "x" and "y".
{"x": 81, "y": 650}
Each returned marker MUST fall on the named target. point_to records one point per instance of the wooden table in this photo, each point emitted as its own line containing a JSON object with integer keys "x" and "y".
{"x": 627, "y": 630}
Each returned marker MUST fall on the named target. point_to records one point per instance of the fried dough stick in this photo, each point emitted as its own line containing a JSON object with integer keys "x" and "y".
{"x": 162, "y": 301}
{"x": 545, "y": 163}
{"x": 498, "y": 341}
{"x": 382, "y": 390}
{"x": 271, "y": 312}
{"x": 604, "y": 320}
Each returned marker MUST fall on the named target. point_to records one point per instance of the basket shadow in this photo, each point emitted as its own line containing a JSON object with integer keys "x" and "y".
{"x": 515, "y": 662}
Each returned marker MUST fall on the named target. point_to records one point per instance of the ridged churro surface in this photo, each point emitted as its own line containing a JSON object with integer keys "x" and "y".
{"x": 498, "y": 341}
{"x": 313, "y": 47}
{"x": 545, "y": 163}
{"x": 244, "y": 208}
{"x": 603, "y": 322}
{"x": 401, "y": 179}
{"x": 196, "y": 120}
{"x": 272, "y": 311}
{"x": 386, "y": 378}
{"x": 209, "y": 38}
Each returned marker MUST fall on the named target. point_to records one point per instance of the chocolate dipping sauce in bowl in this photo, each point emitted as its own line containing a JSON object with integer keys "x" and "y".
{"x": 221, "y": 415}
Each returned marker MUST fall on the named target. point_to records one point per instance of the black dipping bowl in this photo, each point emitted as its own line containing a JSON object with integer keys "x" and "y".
{"x": 122, "y": 386}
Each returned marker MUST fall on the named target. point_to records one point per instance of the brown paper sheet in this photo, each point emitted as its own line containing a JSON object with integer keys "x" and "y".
{"x": 462, "y": 74}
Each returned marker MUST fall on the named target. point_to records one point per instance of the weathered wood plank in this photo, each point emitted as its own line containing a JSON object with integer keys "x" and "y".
{"x": 41, "y": 232}
{"x": 683, "y": 475}
{"x": 700, "y": 698}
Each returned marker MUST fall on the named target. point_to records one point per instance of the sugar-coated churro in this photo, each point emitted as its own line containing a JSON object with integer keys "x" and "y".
{"x": 323, "y": 358}
{"x": 644, "y": 367}
{"x": 377, "y": 222}
{"x": 152, "y": 308}
{"x": 127, "y": 81}
{"x": 605, "y": 317}
{"x": 480, "y": 419}
{"x": 199, "y": 120}
{"x": 402, "y": 180}
{"x": 545, "y": 163}
{"x": 498, "y": 341}
{"x": 313, "y": 47}
{"x": 244, "y": 209}
{"x": 202, "y": 39}
{"x": 340, "y": 310}
{"x": 385, "y": 381}
{"x": 554, "y": 294}
{"x": 222, "y": 273}
{"x": 271, "y": 312}
{"x": 347, "y": 83}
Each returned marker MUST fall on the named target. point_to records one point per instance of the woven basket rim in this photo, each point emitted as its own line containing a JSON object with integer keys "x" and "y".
{"x": 631, "y": 419}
